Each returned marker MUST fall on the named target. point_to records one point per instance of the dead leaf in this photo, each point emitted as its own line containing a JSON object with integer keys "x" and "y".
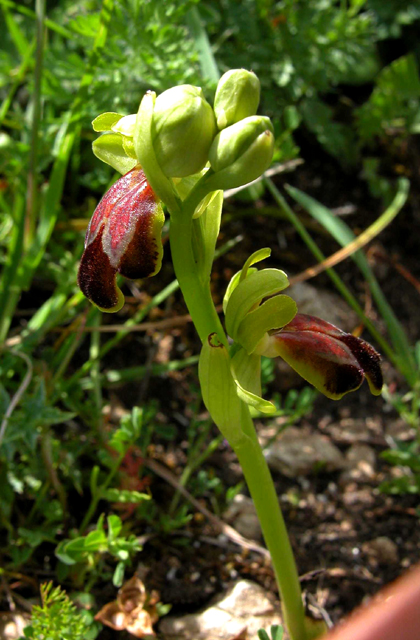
{"x": 132, "y": 611}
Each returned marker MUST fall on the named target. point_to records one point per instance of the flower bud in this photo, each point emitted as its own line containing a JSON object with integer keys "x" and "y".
{"x": 183, "y": 129}
{"x": 242, "y": 152}
{"x": 237, "y": 97}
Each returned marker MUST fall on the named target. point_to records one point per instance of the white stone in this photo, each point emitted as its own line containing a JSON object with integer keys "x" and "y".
{"x": 245, "y": 606}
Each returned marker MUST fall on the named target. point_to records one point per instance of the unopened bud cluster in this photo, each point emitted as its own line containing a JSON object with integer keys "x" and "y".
{"x": 188, "y": 135}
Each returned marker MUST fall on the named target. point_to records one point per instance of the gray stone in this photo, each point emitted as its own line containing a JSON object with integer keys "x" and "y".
{"x": 381, "y": 550}
{"x": 298, "y": 453}
{"x": 325, "y": 304}
{"x": 244, "y": 608}
{"x": 360, "y": 464}
{"x": 12, "y": 624}
{"x": 241, "y": 514}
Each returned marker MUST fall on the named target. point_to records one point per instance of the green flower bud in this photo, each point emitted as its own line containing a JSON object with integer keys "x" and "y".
{"x": 183, "y": 129}
{"x": 237, "y": 97}
{"x": 242, "y": 152}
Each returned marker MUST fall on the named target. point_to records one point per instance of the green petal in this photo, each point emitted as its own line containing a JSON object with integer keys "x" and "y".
{"x": 110, "y": 149}
{"x": 250, "y": 292}
{"x": 125, "y": 125}
{"x": 272, "y": 314}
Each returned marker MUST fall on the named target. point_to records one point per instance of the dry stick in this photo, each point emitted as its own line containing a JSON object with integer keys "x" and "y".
{"x": 19, "y": 393}
{"x": 224, "y": 528}
{"x": 278, "y": 168}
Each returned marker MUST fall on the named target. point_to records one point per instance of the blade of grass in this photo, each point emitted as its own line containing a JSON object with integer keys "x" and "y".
{"x": 15, "y": 32}
{"x": 9, "y": 292}
{"x": 95, "y": 348}
{"x": 208, "y": 63}
{"x": 32, "y": 190}
{"x": 338, "y": 282}
{"x": 344, "y": 235}
{"x": 50, "y": 24}
{"x": 24, "y": 66}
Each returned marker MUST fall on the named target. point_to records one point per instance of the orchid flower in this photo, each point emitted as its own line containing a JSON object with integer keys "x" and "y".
{"x": 123, "y": 236}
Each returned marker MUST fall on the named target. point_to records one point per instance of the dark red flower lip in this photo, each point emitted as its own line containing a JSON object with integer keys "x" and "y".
{"x": 123, "y": 236}
{"x": 333, "y": 361}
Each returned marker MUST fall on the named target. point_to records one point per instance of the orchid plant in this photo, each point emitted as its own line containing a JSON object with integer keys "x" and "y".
{"x": 180, "y": 152}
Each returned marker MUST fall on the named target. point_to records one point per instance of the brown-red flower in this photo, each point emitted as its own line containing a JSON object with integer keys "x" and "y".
{"x": 333, "y": 361}
{"x": 123, "y": 236}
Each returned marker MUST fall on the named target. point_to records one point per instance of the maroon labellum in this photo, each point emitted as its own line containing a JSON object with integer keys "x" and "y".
{"x": 333, "y": 361}
{"x": 123, "y": 236}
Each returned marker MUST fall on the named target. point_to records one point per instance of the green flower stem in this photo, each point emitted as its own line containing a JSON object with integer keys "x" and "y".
{"x": 263, "y": 493}
{"x": 257, "y": 475}
{"x": 196, "y": 294}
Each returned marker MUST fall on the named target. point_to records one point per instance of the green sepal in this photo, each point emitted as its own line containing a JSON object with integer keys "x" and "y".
{"x": 205, "y": 233}
{"x": 250, "y": 292}
{"x": 125, "y": 125}
{"x": 105, "y": 121}
{"x": 110, "y": 149}
{"x": 219, "y": 389}
{"x": 246, "y": 370}
{"x": 143, "y": 145}
{"x": 272, "y": 314}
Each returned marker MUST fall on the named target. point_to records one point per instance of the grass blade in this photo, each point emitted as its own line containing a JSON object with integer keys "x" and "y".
{"x": 208, "y": 63}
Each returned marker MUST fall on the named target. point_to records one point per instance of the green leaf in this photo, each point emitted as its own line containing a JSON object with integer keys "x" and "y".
{"x": 277, "y": 632}
{"x": 61, "y": 554}
{"x": 114, "y": 527}
{"x": 272, "y": 314}
{"x": 250, "y": 292}
{"x": 337, "y": 138}
{"x": 94, "y": 541}
{"x": 219, "y": 389}
{"x": 246, "y": 371}
{"x": 125, "y": 496}
{"x": 118, "y": 577}
{"x": 106, "y": 121}
{"x": 110, "y": 149}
